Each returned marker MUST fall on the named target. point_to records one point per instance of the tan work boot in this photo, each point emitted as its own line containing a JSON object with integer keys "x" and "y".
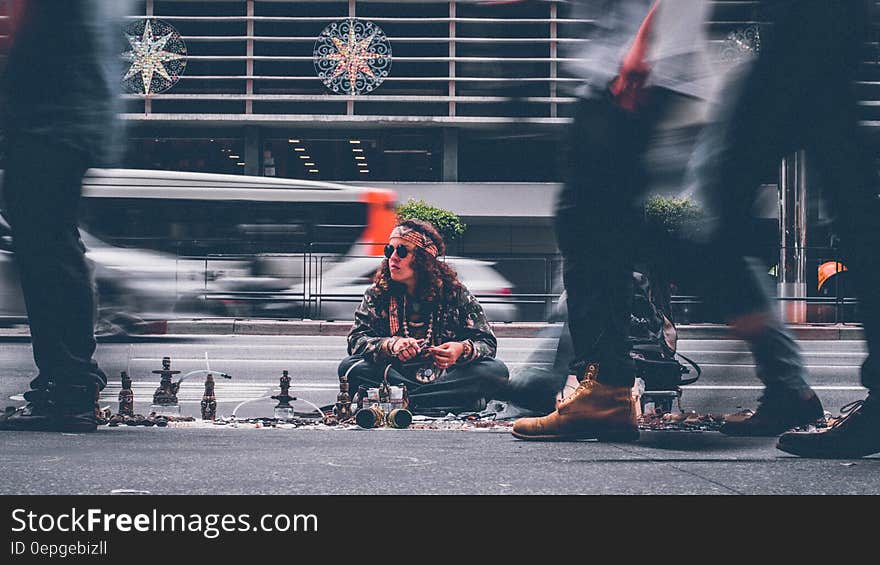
{"x": 594, "y": 411}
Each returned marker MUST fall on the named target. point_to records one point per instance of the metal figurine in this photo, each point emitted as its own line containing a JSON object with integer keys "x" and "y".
{"x": 209, "y": 400}
{"x": 343, "y": 400}
{"x": 283, "y": 410}
{"x": 384, "y": 391}
{"x": 166, "y": 394}
{"x": 126, "y": 396}
{"x": 385, "y": 395}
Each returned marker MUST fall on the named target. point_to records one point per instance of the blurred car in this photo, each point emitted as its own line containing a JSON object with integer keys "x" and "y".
{"x": 136, "y": 285}
{"x": 334, "y": 291}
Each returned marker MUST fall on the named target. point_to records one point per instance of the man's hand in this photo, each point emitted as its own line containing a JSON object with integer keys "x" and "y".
{"x": 405, "y": 348}
{"x": 447, "y": 354}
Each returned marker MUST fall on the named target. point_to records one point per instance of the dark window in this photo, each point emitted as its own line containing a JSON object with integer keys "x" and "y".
{"x": 512, "y": 157}
{"x": 212, "y": 155}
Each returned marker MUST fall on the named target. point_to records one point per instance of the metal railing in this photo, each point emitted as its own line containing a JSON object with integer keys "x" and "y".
{"x": 303, "y": 284}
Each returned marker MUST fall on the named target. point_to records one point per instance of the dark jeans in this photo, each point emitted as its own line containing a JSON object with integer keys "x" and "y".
{"x": 463, "y": 388}
{"x": 800, "y": 95}
{"x": 42, "y": 189}
{"x": 597, "y": 230}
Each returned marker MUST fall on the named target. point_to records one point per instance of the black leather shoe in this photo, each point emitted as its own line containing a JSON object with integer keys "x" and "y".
{"x": 75, "y": 409}
{"x": 778, "y": 412}
{"x": 856, "y": 434}
{"x": 69, "y": 409}
{"x": 33, "y": 416}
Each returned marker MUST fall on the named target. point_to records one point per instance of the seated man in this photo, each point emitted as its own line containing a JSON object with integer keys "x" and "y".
{"x": 422, "y": 328}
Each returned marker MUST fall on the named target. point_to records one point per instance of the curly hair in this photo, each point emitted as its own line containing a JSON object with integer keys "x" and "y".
{"x": 435, "y": 278}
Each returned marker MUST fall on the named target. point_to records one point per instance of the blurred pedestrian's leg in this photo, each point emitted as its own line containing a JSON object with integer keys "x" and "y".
{"x": 838, "y": 147}
{"x": 59, "y": 120}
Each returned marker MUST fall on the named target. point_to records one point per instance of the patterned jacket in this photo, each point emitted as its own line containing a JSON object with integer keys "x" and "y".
{"x": 461, "y": 320}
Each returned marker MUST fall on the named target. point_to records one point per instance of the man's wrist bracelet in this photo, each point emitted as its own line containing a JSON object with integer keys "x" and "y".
{"x": 467, "y": 350}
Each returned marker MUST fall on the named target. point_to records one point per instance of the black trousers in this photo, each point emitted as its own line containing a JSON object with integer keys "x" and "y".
{"x": 800, "y": 95}
{"x": 463, "y": 388}
{"x": 42, "y": 189}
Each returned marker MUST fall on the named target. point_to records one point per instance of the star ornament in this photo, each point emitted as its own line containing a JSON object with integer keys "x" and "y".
{"x": 157, "y": 57}
{"x": 352, "y": 56}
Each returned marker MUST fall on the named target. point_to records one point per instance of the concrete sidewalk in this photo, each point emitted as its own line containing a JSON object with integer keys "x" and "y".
{"x": 238, "y": 326}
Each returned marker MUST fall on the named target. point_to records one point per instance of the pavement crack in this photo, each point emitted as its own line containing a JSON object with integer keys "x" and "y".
{"x": 707, "y": 479}
{"x": 673, "y": 465}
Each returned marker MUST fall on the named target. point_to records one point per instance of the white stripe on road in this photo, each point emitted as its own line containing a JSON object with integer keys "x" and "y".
{"x": 225, "y": 392}
{"x": 761, "y": 387}
{"x": 143, "y": 392}
{"x": 752, "y": 366}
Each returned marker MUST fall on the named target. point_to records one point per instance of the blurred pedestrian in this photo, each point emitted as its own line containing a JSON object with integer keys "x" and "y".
{"x": 58, "y": 109}
{"x": 646, "y": 61}
{"x": 419, "y": 326}
{"x": 801, "y": 95}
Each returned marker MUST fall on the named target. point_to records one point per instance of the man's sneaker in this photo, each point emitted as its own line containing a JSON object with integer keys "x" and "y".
{"x": 778, "y": 412}
{"x": 593, "y": 411}
{"x": 854, "y": 435}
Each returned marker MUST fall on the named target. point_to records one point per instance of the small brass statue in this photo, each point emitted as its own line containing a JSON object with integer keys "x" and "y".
{"x": 126, "y": 396}
{"x": 209, "y": 400}
{"x": 166, "y": 394}
{"x": 343, "y": 401}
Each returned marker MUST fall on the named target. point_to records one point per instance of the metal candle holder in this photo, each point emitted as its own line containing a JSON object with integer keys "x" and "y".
{"x": 283, "y": 410}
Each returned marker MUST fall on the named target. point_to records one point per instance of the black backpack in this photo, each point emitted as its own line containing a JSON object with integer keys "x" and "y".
{"x": 654, "y": 340}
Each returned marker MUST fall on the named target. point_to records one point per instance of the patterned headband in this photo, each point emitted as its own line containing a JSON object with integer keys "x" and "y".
{"x": 418, "y": 239}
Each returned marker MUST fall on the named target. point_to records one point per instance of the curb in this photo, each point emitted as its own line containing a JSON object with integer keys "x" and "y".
{"x": 319, "y": 327}
{"x": 510, "y": 329}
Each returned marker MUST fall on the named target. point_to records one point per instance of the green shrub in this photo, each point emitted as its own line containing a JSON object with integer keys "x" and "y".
{"x": 447, "y": 223}
{"x": 671, "y": 215}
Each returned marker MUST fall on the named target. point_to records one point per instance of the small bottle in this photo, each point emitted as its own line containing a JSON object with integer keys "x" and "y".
{"x": 405, "y": 396}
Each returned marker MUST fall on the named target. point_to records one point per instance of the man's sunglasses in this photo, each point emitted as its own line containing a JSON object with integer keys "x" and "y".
{"x": 402, "y": 251}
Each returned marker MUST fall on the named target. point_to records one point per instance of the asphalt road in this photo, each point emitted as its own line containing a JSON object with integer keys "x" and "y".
{"x": 201, "y": 458}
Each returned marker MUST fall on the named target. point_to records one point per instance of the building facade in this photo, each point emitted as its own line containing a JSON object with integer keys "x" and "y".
{"x": 467, "y": 109}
